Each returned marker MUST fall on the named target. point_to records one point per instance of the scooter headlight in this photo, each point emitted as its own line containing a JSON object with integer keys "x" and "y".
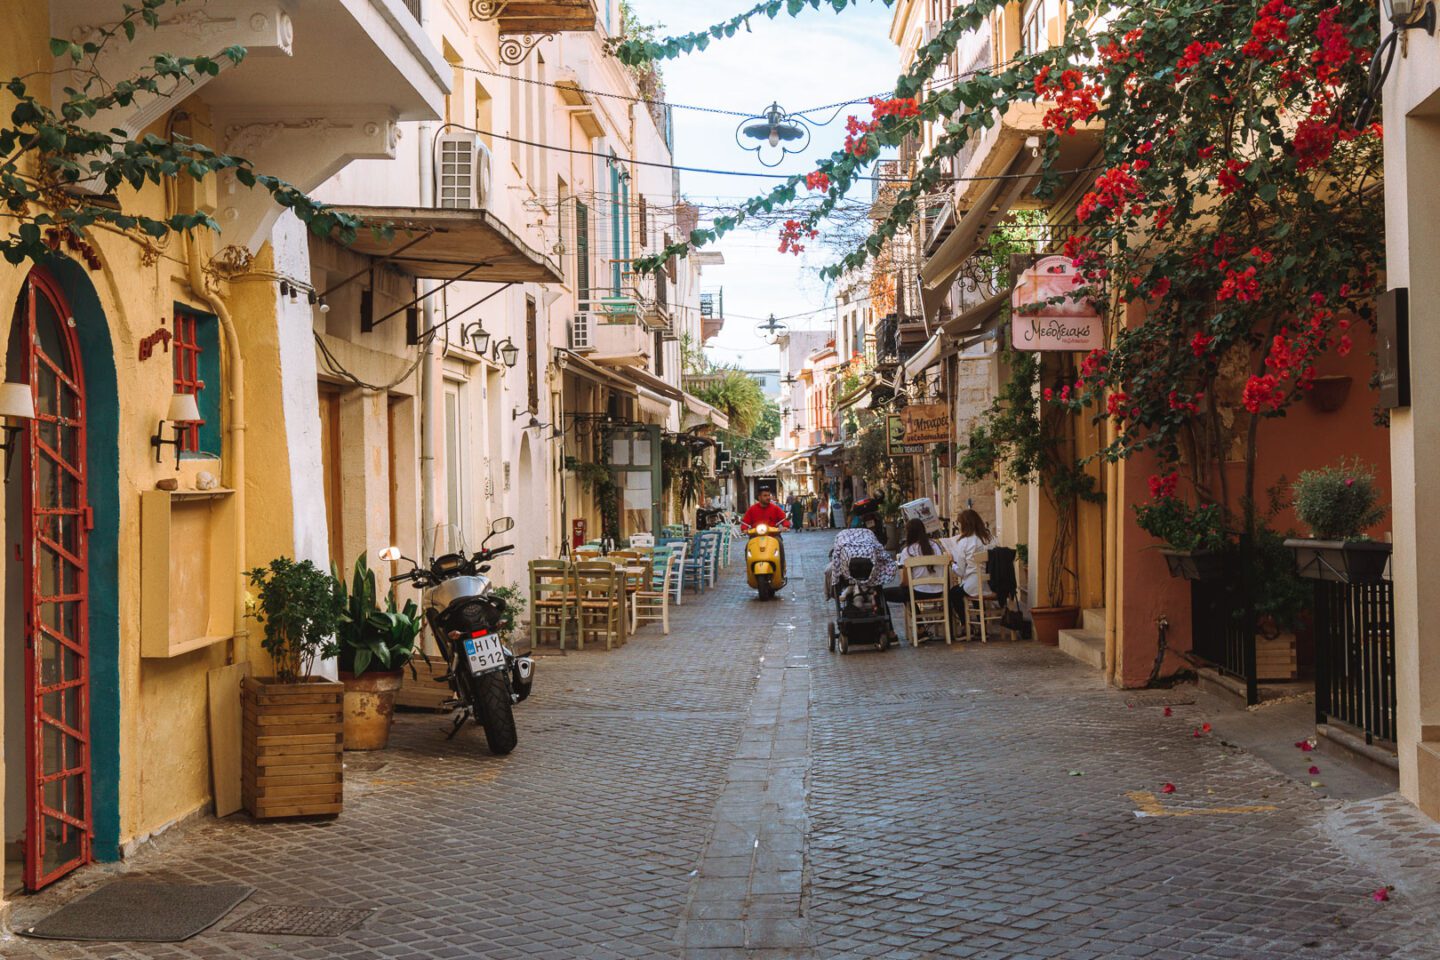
{"x": 761, "y": 529}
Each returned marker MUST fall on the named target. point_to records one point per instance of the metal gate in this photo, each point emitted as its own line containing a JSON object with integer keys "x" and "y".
{"x": 1355, "y": 656}
{"x": 57, "y": 762}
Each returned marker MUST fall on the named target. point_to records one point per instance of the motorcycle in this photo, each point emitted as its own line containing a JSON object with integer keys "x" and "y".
{"x": 764, "y": 564}
{"x": 465, "y": 618}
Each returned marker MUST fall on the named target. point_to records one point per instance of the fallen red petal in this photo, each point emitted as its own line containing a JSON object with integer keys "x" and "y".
{"x": 1168, "y": 788}
{"x": 1314, "y": 770}
{"x": 1196, "y": 734}
{"x": 1381, "y": 895}
{"x": 1168, "y": 711}
{"x": 1205, "y": 727}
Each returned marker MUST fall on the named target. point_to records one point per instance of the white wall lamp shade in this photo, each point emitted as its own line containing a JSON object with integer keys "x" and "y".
{"x": 16, "y": 401}
{"x": 183, "y": 408}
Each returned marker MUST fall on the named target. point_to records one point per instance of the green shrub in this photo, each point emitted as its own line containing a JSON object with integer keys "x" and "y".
{"x": 369, "y": 635}
{"x": 1180, "y": 525}
{"x": 1339, "y": 502}
{"x": 298, "y": 607}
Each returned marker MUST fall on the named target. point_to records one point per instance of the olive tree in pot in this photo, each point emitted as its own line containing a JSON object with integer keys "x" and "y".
{"x": 375, "y": 645}
{"x": 1338, "y": 504}
{"x": 292, "y": 736}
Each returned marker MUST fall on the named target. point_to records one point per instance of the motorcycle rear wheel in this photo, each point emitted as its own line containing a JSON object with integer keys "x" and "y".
{"x": 490, "y": 700}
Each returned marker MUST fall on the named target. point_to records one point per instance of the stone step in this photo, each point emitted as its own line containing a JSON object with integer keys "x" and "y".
{"x": 1092, "y": 620}
{"x": 1085, "y": 646}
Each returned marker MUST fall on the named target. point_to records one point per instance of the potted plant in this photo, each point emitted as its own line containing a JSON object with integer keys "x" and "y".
{"x": 292, "y": 735}
{"x": 1194, "y": 537}
{"x": 1338, "y": 504}
{"x": 375, "y": 644}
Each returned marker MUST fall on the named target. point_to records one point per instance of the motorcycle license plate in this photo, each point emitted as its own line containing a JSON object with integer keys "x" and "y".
{"x": 484, "y": 654}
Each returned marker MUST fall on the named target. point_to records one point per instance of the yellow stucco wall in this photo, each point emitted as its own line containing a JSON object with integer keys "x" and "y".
{"x": 164, "y": 749}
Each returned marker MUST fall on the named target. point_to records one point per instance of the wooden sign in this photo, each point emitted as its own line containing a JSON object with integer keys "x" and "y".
{"x": 895, "y": 439}
{"x": 926, "y": 423}
{"x": 1045, "y": 314}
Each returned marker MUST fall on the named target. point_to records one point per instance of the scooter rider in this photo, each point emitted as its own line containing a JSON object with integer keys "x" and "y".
{"x": 765, "y": 510}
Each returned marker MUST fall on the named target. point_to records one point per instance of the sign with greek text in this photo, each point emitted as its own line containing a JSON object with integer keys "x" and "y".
{"x": 895, "y": 442}
{"x": 926, "y": 423}
{"x": 1045, "y": 314}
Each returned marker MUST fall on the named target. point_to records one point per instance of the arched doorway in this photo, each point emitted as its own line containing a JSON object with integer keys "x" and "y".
{"x": 48, "y": 812}
{"x": 531, "y": 524}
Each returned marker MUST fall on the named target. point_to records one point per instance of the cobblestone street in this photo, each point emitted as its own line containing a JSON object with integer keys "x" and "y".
{"x": 735, "y": 790}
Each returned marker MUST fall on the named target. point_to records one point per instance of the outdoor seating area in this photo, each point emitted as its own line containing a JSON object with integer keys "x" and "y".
{"x": 604, "y": 593}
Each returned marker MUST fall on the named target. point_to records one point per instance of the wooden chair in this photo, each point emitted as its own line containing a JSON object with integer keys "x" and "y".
{"x": 697, "y": 562}
{"x": 642, "y": 539}
{"x": 600, "y": 589}
{"x": 553, "y": 599}
{"x": 653, "y": 603}
{"x": 926, "y": 609}
{"x": 635, "y": 579}
{"x": 711, "y": 554}
{"x": 986, "y": 608}
{"x": 679, "y": 550}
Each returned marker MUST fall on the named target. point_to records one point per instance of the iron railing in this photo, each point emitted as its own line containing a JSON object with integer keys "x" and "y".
{"x": 414, "y": 7}
{"x": 1355, "y": 656}
{"x": 1222, "y": 634}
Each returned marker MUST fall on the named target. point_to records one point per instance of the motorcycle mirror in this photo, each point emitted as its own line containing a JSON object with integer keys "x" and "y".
{"x": 503, "y": 525}
{"x": 390, "y": 554}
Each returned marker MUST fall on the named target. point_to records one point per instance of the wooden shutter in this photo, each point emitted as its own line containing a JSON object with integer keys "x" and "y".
{"x": 582, "y": 255}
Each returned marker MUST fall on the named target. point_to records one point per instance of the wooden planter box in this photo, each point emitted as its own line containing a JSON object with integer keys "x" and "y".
{"x": 1196, "y": 564}
{"x": 1341, "y": 561}
{"x": 292, "y": 746}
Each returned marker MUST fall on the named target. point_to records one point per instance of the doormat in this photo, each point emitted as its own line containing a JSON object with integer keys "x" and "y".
{"x": 290, "y": 921}
{"x": 142, "y": 910}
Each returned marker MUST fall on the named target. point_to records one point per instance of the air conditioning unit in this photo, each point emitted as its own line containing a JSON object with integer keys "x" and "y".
{"x": 581, "y": 333}
{"x": 463, "y": 168}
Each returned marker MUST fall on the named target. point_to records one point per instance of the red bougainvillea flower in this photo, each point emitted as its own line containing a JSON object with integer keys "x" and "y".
{"x": 1270, "y": 31}
{"x": 1168, "y": 711}
{"x": 1161, "y": 487}
{"x": 1114, "y": 190}
{"x": 1200, "y": 343}
{"x": 1076, "y": 100}
{"x": 1205, "y": 727}
{"x": 1230, "y": 176}
{"x": 1314, "y": 141}
{"x": 902, "y": 107}
{"x": 1168, "y": 788}
{"x": 1192, "y": 56}
{"x": 857, "y": 136}
{"x": 817, "y": 180}
{"x": 790, "y": 234}
{"x": 1381, "y": 895}
{"x": 1196, "y": 734}
{"x": 1314, "y": 770}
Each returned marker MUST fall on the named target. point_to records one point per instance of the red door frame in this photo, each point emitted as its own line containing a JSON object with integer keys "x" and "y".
{"x": 41, "y": 283}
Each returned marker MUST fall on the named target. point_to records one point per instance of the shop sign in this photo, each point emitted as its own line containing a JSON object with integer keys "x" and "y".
{"x": 1045, "y": 314}
{"x": 895, "y": 438}
{"x": 1392, "y": 348}
{"x": 926, "y": 423}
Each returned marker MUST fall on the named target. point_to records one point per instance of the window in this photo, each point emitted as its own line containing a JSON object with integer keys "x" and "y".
{"x": 532, "y": 356}
{"x": 454, "y": 472}
{"x": 582, "y": 255}
{"x": 1035, "y": 26}
{"x": 484, "y": 113}
{"x": 196, "y": 367}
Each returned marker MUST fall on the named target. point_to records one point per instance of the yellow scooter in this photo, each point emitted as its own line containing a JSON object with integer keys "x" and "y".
{"x": 764, "y": 564}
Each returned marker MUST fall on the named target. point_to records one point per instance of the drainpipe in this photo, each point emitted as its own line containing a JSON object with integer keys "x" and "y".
{"x": 234, "y": 462}
{"x": 1112, "y": 558}
{"x": 429, "y": 371}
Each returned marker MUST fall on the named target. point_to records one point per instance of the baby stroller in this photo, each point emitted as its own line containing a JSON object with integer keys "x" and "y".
{"x": 861, "y": 614}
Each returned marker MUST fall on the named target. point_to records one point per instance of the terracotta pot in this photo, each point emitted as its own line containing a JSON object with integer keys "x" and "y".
{"x": 1049, "y": 621}
{"x": 369, "y": 708}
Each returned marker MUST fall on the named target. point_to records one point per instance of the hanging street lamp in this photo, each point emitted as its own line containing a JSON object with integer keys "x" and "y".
{"x": 776, "y": 129}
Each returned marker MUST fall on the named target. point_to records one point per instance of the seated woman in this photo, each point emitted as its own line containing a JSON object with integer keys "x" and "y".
{"x": 917, "y": 544}
{"x": 974, "y": 539}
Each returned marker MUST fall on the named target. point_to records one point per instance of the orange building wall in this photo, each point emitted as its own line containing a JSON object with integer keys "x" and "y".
{"x": 1303, "y": 439}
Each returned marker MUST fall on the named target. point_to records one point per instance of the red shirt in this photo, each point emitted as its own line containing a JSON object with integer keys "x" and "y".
{"x": 773, "y": 515}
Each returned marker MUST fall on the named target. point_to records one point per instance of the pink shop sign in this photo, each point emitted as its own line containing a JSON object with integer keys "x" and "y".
{"x": 1045, "y": 314}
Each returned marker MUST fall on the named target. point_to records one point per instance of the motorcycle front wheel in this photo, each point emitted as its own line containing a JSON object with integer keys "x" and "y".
{"x": 490, "y": 699}
{"x": 766, "y": 590}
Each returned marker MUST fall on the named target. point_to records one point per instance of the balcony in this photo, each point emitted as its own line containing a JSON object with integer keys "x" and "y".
{"x": 712, "y": 314}
{"x": 362, "y": 65}
{"x": 652, "y": 294}
{"x": 524, "y": 23}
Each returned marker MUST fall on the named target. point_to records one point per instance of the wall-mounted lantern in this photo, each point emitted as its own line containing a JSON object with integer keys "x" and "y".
{"x": 506, "y": 352}
{"x": 183, "y": 412}
{"x": 476, "y": 334}
{"x": 17, "y": 403}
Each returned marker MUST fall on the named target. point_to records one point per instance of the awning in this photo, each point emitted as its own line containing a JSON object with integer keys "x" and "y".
{"x": 922, "y": 358}
{"x": 975, "y": 317}
{"x": 640, "y": 377}
{"x": 698, "y": 413}
{"x": 654, "y": 405}
{"x": 449, "y": 244}
{"x": 570, "y": 362}
{"x": 974, "y": 227}
{"x": 830, "y": 451}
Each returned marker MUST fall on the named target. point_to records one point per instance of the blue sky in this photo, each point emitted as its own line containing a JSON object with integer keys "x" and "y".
{"x": 814, "y": 59}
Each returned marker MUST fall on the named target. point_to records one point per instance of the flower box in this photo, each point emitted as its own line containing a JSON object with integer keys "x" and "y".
{"x": 1341, "y": 561}
{"x": 1196, "y": 564}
